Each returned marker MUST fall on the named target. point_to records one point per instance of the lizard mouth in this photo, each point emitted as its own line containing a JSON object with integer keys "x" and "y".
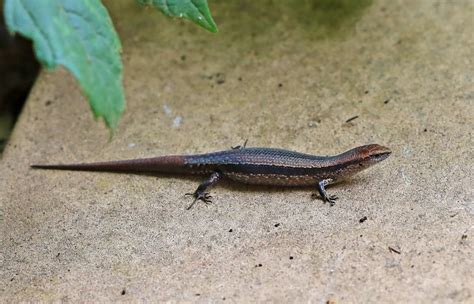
{"x": 382, "y": 154}
{"x": 377, "y": 152}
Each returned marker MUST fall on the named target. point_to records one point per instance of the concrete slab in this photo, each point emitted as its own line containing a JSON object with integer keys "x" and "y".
{"x": 281, "y": 76}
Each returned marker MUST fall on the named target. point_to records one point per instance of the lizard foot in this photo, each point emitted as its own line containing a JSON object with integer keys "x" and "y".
{"x": 239, "y": 146}
{"x": 331, "y": 199}
{"x": 200, "y": 196}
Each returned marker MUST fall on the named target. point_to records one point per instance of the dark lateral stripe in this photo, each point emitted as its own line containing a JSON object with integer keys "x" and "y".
{"x": 269, "y": 169}
{"x": 284, "y": 170}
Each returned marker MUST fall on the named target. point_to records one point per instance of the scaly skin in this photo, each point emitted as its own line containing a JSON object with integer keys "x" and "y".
{"x": 265, "y": 166}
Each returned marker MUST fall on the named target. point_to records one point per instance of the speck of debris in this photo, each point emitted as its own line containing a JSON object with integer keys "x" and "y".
{"x": 123, "y": 292}
{"x": 366, "y": 92}
{"x": 48, "y": 102}
{"x": 277, "y": 224}
{"x": 386, "y": 101}
{"x": 352, "y": 118}
{"x": 197, "y": 294}
{"x": 11, "y": 280}
{"x": 363, "y": 219}
{"x": 240, "y": 78}
{"x": 391, "y": 249}
{"x": 177, "y": 121}
{"x": 291, "y": 257}
{"x": 360, "y": 235}
{"x": 258, "y": 265}
{"x": 230, "y": 230}
{"x": 280, "y": 85}
{"x": 464, "y": 236}
{"x": 183, "y": 57}
{"x": 167, "y": 110}
{"x": 57, "y": 255}
{"x": 425, "y": 130}
{"x": 220, "y": 78}
{"x": 223, "y": 299}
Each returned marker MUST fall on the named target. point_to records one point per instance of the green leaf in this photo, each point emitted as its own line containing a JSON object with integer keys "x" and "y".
{"x": 194, "y": 10}
{"x": 79, "y": 35}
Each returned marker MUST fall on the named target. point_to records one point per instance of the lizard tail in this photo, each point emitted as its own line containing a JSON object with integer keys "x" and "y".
{"x": 165, "y": 164}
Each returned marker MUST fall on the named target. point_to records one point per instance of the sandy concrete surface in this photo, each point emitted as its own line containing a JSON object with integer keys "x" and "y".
{"x": 281, "y": 76}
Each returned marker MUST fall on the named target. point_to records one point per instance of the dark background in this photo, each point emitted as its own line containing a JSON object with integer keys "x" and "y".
{"x": 18, "y": 70}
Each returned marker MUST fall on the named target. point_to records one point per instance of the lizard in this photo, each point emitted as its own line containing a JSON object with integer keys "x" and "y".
{"x": 261, "y": 166}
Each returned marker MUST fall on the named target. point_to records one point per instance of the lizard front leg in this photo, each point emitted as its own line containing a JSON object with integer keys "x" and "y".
{"x": 331, "y": 199}
{"x": 200, "y": 193}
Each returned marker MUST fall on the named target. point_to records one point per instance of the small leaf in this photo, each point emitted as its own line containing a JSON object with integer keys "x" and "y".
{"x": 194, "y": 10}
{"x": 79, "y": 35}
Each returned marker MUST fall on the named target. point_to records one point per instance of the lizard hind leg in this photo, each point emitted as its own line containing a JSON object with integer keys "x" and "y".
{"x": 240, "y": 146}
{"x": 200, "y": 194}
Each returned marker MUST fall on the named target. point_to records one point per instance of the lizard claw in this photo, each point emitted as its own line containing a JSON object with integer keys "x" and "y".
{"x": 200, "y": 196}
{"x": 205, "y": 197}
{"x": 331, "y": 199}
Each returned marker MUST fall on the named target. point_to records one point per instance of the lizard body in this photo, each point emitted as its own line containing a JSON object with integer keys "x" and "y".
{"x": 265, "y": 166}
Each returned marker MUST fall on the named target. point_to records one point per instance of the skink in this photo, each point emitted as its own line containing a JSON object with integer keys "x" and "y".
{"x": 263, "y": 166}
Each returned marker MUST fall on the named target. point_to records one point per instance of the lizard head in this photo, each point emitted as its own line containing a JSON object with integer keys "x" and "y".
{"x": 360, "y": 158}
{"x": 372, "y": 154}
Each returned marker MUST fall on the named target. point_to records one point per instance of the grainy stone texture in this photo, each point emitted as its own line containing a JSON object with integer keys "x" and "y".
{"x": 280, "y": 76}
